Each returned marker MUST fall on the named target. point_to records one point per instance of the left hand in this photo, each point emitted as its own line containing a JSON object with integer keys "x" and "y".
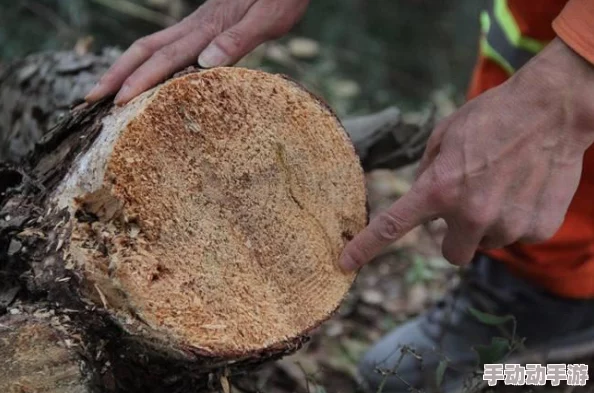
{"x": 218, "y": 33}
{"x": 503, "y": 168}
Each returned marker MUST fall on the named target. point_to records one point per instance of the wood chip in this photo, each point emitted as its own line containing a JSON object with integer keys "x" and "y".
{"x": 225, "y": 386}
{"x": 31, "y": 232}
{"x": 102, "y": 296}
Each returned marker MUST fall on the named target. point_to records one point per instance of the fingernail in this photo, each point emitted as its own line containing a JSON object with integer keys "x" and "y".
{"x": 213, "y": 56}
{"x": 95, "y": 93}
{"x": 347, "y": 263}
{"x": 122, "y": 96}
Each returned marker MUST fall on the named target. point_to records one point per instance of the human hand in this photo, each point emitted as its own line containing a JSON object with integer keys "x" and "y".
{"x": 218, "y": 33}
{"x": 503, "y": 168}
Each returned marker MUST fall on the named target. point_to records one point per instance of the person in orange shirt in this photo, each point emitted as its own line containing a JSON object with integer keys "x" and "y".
{"x": 511, "y": 172}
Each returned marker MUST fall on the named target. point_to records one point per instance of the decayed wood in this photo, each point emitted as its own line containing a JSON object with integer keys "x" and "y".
{"x": 35, "y": 255}
{"x": 29, "y": 251}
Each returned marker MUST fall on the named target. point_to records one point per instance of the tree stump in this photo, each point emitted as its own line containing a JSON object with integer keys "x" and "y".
{"x": 187, "y": 236}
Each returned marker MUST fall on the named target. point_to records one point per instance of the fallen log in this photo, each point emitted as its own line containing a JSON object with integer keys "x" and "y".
{"x": 190, "y": 235}
{"x": 37, "y": 91}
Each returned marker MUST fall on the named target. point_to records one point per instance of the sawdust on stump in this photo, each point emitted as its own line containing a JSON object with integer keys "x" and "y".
{"x": 211, "y": 212}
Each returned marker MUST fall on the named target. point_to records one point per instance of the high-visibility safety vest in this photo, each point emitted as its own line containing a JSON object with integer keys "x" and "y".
{"x": 502, "y": 41}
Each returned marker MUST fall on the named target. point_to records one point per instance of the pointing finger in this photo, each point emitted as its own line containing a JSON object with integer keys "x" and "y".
{"x": 405, "y": 214}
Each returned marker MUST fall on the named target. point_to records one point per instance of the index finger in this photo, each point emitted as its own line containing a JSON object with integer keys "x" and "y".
{"x": 408, "y": 212}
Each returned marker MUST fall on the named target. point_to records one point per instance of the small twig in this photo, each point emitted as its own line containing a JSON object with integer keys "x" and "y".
{"x": 225, "y": 384}
{"x": 305, "y": 375}
{"x": 394, "y": 371}
{"x": 102, "y": 296}
{"x": 129, "y": 8}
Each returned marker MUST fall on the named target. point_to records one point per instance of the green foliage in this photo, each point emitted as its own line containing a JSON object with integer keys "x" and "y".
{"x": 490, "y": 319}
{"x": 440, "y": 372}
{"x": 419, "y": 271}
{"x": 494, "y": 352}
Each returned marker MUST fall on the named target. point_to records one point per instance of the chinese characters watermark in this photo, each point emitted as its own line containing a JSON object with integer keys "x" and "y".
{"x": 536, "y": 374}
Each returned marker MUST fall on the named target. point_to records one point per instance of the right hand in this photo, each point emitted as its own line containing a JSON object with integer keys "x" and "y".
{"x": 503, "y": 168}
{"x": 218, "y": 33}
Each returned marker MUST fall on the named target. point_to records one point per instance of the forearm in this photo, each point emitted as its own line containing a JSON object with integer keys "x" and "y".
{"x": 575, "y": 27}
{"x": 561, "y": 80}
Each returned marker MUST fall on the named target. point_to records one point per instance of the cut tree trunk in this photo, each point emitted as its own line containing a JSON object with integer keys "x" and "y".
{"x": 185, "y": 237}
{"x": 188, "y": 236}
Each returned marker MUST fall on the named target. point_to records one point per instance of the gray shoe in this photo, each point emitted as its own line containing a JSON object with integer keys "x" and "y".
{"x": 408, "y": 358}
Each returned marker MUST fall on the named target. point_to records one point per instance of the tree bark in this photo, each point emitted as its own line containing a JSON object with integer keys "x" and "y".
{"x": 38, "y": 90}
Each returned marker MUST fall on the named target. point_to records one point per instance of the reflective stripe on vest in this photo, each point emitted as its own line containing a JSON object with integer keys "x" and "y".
{"x": 502, "y": 40}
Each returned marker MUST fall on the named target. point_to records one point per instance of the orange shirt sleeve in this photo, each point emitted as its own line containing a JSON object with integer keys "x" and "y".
{"x": 575, "y": 26}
